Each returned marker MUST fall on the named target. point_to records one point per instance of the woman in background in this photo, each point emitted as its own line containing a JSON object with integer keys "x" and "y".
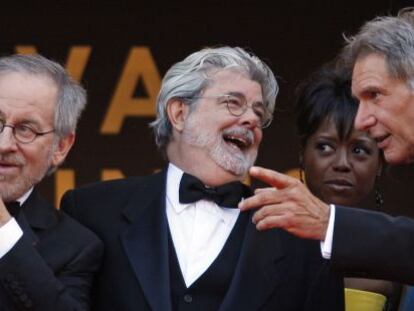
{"x": 340, "y": 165}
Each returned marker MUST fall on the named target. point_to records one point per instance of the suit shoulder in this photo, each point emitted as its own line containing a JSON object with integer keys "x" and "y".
{"x": 113, "y": 185}
{"x": 123, "y": 186}
{"x": 75, "y": 231}
{"x": 109, "y": 197}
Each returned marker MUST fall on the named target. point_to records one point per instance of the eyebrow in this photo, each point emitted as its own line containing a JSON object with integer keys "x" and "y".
{"x": 29, "y": 122}
{"x": 239, "y": 94}
{"x": 367, "y": 89}
{"x": 25, "y": 121}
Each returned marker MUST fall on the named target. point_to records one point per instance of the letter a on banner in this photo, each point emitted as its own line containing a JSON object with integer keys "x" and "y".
{"x": 140, "y": 66}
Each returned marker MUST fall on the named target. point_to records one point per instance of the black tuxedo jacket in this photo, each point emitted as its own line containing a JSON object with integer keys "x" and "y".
{"x": 275, "y": 271}
{"x": 52, "y": 266}
{"x": 373, "y": 244}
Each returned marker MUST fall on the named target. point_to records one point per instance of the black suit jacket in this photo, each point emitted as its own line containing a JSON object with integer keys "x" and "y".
{"x": 373, "y": 244}
{"x": 52, "y": 266}
{"x": 275, "y": 271}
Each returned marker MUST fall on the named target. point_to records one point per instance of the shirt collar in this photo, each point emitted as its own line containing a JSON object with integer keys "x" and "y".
{"x": 24, "y": 197}
{"x": 174, "y": 175}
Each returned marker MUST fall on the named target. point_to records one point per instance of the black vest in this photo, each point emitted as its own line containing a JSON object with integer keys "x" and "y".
{"x": 209, "y": 290}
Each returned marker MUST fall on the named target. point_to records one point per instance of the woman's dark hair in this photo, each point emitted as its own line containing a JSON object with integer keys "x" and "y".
{"x": 326, "y": 94}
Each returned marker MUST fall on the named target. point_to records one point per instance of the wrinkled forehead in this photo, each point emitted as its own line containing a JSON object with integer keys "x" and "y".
{"x": 390, "y": 66}
{"x": 25, "y": 84}
{"x": 27, "y": 93}
{"x": 232, "y": 80}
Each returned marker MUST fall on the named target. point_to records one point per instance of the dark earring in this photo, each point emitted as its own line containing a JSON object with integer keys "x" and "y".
{"x": 379, "y": 198}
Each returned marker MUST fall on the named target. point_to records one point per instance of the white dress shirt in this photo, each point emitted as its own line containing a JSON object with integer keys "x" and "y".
{"x": 199, "y": 230}
{"x": 11, "y": 232}
{"x": 326, "y": 245}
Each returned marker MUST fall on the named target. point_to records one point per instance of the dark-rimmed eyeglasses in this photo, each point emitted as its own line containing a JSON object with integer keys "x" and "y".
{"x": 23, "y": 133}
{"x": 237, "y": 105}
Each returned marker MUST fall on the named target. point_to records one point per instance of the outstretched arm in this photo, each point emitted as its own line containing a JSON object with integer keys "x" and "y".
{"x": 365, "y": 243}
{"x": 288, "y": 204}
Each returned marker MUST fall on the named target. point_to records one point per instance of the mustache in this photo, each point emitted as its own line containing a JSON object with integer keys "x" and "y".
{"x": 11, "y": 159}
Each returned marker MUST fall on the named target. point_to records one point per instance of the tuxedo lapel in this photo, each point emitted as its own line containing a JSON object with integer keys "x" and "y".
{"x": 145, "y": 240}
{"x": 27, "y": 230}
{"x": 257, "y": 272}
{"x": 36, "y": 214}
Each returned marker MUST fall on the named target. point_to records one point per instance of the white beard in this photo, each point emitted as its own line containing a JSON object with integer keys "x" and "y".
{"x": 13, "y": 187}
{"x": 223, "y": 154}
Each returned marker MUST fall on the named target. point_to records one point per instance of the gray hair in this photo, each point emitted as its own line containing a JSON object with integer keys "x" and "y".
{"x": 188, "y": 78}
{"x": 71, "y": 98}
{"x": 390, "y": 36}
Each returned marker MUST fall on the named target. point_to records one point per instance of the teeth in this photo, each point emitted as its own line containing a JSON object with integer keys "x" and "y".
{"x": 238, "y": 141}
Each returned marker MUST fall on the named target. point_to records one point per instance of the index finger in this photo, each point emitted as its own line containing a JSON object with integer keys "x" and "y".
{"x": 272, "y": 178}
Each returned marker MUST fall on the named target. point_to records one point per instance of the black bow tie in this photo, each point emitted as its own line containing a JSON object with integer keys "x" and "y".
{"x": 13, "y": 208}
{"x": 227, "y": 195}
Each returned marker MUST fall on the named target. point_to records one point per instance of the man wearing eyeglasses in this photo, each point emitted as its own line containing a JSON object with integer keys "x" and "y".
{"x": 47, "y": 260}
{"x": 175, "y": 240}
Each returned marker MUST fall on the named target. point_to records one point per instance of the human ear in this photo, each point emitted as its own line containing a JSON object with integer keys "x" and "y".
{"x": 177, "y": 111}
{"x": 62, "y": 149}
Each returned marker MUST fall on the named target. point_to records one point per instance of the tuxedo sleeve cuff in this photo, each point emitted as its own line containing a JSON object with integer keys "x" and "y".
{"x": 10, "y": 233}
{"x": 326, "y": 245}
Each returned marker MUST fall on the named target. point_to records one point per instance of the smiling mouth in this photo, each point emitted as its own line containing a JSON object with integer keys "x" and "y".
{"x": 6, "y": 164}
{"x": 9, "y": 164}
{"x": 6, "y": 169}
{"x": 240, "y": 142}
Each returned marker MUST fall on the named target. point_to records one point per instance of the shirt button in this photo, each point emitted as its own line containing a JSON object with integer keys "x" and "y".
{"x": 188, "y": 298}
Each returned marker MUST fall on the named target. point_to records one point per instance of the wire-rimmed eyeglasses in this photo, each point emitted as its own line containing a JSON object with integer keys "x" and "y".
{"x": 237, "y": 105}
{"x": 23, "y": 133}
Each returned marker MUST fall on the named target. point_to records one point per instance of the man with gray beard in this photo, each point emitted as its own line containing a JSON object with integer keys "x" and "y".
{"x": 47, "y": 260}
{"x": 175, "y": 240}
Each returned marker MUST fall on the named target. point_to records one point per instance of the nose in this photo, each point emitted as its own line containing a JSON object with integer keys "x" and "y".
{"x": 250, "y": 119}
{"x": 341, "y": 162}
{"x": 7, "y": 141}
{"x": 364, "y": 118}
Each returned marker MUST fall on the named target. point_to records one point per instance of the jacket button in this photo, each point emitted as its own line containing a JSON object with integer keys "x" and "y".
{"x": 188, "y": 298}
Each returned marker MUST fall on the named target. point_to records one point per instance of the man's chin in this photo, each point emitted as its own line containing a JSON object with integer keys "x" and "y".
{"x": 9, "y": 195}
{"x": 398, "y": 158}
{"x": 239, "y": 170}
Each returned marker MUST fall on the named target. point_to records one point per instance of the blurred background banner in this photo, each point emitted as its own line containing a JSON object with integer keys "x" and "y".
{"x": 120, "y": 51}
